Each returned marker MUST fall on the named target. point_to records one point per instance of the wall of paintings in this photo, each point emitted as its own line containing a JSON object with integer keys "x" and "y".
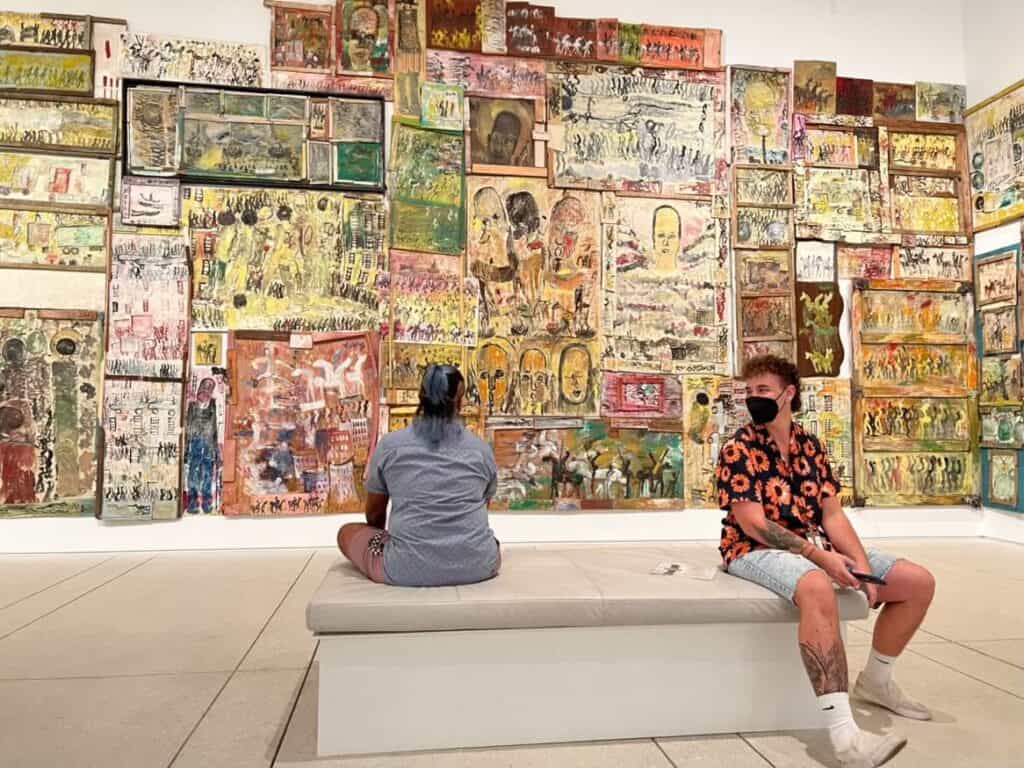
{"x": 597, "y": 220}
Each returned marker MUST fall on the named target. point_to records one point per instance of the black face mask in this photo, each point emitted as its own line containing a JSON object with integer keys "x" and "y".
{"x": 763, "y": 409}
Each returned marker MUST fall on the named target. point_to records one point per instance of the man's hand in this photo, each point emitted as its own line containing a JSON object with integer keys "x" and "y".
{"x": 871, "y": 593}
{"x": 837, "y": 566}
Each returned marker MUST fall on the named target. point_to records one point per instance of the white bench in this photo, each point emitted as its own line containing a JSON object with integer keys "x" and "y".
{"x": 570, "y": 643}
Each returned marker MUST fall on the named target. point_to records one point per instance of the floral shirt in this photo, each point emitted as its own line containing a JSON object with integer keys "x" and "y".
{"x": 751, "y": 468}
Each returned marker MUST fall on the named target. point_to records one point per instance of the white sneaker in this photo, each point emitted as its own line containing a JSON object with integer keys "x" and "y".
{"x": 870, "y": 751}
{"x": 890, "y": 697}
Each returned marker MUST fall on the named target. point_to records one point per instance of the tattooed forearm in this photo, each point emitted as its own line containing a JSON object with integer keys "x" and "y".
{"x": 826, "y": 667}
{"x": 777, "y": 537}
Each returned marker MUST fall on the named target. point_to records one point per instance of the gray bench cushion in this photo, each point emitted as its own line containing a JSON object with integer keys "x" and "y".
{"x": 558, "y": 586}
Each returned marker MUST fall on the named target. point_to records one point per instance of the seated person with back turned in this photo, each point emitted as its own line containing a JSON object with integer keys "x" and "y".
{"x": 786, "y": 530}
{"x": 439, "y": 477}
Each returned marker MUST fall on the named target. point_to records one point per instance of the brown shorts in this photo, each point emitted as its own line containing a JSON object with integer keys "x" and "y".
{"x": 366, "y": 551}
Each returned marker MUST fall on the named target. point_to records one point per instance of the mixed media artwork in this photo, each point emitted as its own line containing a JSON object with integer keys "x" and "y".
{"x": 864, "y": 262}
{"x": 1002, "y": 472}
{"x": 301, "y": 38}
{"x": 855, "y": 96}
{"x": 150, "y": 202}
{"x": 284, "y": 259}
{"x": 666, "y": 288}
{"x": 999, "y": 330}
{"x": 1001, "y": 381}
{"x": 1002, "y": 427}
{"x": 766, "y": 318}
{"x": 45, "y": 30}
{"x": 142, "y": 450}
{"x": 50, "y": 402}
{"x": 428, "y": 302}
{"x": 763, "y": 186}
{"x": 764, "y": 271}
{"x": 932, "y": 263}
{"x": 815, "y": 261}
{"x": 501, "y": 133}
{"x": 56, "y": 180}
{"x": 760, "y": 114}
{"x": 206, "y": 399}
{"x": 827, "y": 411}
{"x": 301, "y": 424}
{"x": 442, "y": 107}
{"x": 923, "y": 151}
{"x": 427, "y": 190}
{"x": 814, "y": 87}
{"x": 365, "y": 29}
{"x": 75, "y": 125}
{"x": 148, "y": 294}
{"x": 46, "y": 71}
{"x": 53, "y": 239}
{"x": 618, "y": 129}
{"x": 940, "y": 102}
{"x": 764, "y": 227}
{"x": 894, "y": 101}
{"x": 154, "y": 57}
{"x": 932, "y": 423}
{"x": 712, "y": 412}
{"x": 916, "y": 478}
{"x": 819, "y": 308}
{"x": 640, "y": 398}
{"x": 995, "y": 140}
{"x": 996, "y": 277}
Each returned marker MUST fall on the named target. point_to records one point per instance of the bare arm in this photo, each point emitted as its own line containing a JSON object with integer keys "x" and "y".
{"x": 840, "y": 532}
{"x": 377, "y": 510}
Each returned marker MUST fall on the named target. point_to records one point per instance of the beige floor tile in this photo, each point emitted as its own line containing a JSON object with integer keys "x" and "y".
{"x": 246, "y": 723}
{"x": 16, "y": 616}
{"x": 1011, "y": 651}
{"x": 179, "y": 612}
{"x": 25, "y": 575}
{"x": 299, "y": 750}
{"x": 975, "y": 725}
{"x": 860, "y": 633}
{"x": 712, "y": 752}
{"x": 124, "y": 722}
{"x": 996, "y": 673}
{"x": 286, "y": 643}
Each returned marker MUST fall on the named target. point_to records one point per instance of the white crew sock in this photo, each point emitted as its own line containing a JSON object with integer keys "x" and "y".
{"x": 842, "y": 728}
{"x": 879, "y": 668}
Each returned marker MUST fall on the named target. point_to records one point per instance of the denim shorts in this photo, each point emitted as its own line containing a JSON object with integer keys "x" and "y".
{"x": 780, "y": 571}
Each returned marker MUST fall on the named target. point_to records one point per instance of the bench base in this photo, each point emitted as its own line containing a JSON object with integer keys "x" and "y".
{"x": 448, "y": 690}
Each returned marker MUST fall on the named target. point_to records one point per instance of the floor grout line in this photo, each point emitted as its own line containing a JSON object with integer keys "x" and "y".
{"x": 78, "y": 597}
{"x": 131, "y": 675}
{"x": 56, "y": 583}
{"x": 231, "y": 675}
{"x": 757, "y": 751}
{"x": 965, "y": 674}
{"x": 662, "y": 750}
{"x": 295, "y": 706}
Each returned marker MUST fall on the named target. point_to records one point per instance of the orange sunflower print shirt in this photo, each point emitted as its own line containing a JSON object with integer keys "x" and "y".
{"x": 750, "y": 468}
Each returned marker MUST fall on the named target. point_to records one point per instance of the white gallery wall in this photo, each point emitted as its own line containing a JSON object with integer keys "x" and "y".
{"x": 992, "y": 51}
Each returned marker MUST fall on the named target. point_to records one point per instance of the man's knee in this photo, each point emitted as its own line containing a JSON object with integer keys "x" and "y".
{"x": 923, "y": 583}
{"x": 814, "y": 592}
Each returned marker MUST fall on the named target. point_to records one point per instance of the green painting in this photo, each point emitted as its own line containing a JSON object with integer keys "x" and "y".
{"x": 357, "y": 163}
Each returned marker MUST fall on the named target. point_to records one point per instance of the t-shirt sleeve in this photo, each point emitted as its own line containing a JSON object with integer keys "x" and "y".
{"x": 736, "y": 476}
{"x": 375, "y": 482}
{"x": 830, "y": 485}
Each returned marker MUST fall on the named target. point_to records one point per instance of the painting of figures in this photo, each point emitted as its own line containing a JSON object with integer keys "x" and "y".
{"x": 427, "y": 300}
{"x": 153, "y": 144}
{"x": 206, "y": 400}
{"x": 53, "y": 239}
{"x": 895, "y": 101}
{"x": 44, "y": 71}
{"x": 591, "y": 466}
{"x": 819, "y": 309}
{"x": 915, "y": 423}
{"x": 763, "y": 186}
{"x": 301, "y": 38}
{"x": 155, "y": 57}
{"x": 148, "y": 295}
{"x": 618, "y": 129}
{"x": 760, "y": 113}
{"x": 666, "y": 288}
{"x": 287, "y": 260}
{"x": 915, "y": 478}
{"x": 931, "y": 369}
{"x": 925, "y": 204}
{"x": 365, "y": 29}
{"x": 764, "y": 227}
{"x": 142, "y": 450}
{"x": 827, "y": 411}
{"x": 712, "y": 412}
{"x": 814, "y": 87}
{"x": 999, "y": 330}
{"x": 427, "y": 202}
{"x": 996, "y": 277}
{"x": 536, "y": 252}
{"x": 72, "y": 125}
{"x": 922, "y": 151}
{"x": 908, "y": 315}
{"x": 405, "y": 364}
{"x": 764, "y": 271}
{"x": 766, "y": 317}
{"x": 51, "y": 376}
{"x": 932, "y": 263}
{"x": 864, "y": 262}
{"x": 941, "y": 102}
{"x": 1001, "y": 381}
{"x": 301, "y": 424}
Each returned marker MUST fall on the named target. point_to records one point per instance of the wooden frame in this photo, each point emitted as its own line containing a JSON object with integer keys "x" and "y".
{"x": 988, "y": 458}
{"x": 983, "y": 260}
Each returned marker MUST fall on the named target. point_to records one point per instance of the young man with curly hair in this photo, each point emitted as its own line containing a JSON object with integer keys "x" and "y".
{"x": 786, "y": 530}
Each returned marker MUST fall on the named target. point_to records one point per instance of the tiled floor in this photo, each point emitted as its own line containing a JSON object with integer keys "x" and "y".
{"x": 203, "y": 660}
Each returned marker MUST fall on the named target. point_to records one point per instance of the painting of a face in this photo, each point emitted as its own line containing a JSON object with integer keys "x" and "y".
{"x": 574, "y": 374}
{"x": 533, "y": 381}
{"x": 667, "y": 236}
{"x": 362, "y": 37}
{"x": 492, "y": 377}
{"x": 564, "y": 246}
{"x": 504, "y": 137}
{"x": 501, "y": 131}
{"x": 489, "y": 226}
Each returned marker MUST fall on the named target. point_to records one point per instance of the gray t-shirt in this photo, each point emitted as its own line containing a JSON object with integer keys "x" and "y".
{"x": 438, "y": 519}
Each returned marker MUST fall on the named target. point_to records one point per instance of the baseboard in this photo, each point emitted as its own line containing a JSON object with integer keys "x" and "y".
{"x": 1007, "y": 526}
{"x": 36, "y": 535}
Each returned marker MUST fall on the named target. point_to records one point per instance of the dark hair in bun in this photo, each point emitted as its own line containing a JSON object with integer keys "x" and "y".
{"x": 437, "y": 415}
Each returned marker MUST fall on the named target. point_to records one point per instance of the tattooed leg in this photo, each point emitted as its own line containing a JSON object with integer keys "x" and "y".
{"x": 821, "y": 645}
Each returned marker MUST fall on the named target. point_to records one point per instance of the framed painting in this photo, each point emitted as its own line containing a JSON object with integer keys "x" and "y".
{"x": 932, "y": 263}
{"x": 142, "y": 449}
{"x": 919, "y": 151}
{"x": 895, "y": 101}
{"x": 152, "y": 140}
{"x": 56, "y": 31}
{"x": 819, "y": 309}
{"x": 769, "y": 271}
{"x": 941, "y": 102}
{"x": 150, "y": 202}
{"x": 864, "y": 262}
{"x": 763, "y": 186}
{"x": 784, "y": 348}
{"x": 56, "y": 181}
{"x": 998, "y": 326}
{"x": 81, "y": 126}
{"x": 501, "y": 136}
{"x": 926, "y": 204}
{"x": 893, "y": 314}
{"x": 815, "y": 261}
{"x": 928, "y": 369}
{"x": 52, "y": 377}
{"x": 301, "y": 38}
{"x": 365, "y": 35}
{"x": 712, "y": 413}
{"x": 766, "y": 318}
{"x": 839, "y": 204}
{"x": 206, "y": 402}
{"x": 35, "y": 70}
{"x": 827, "y": 411}
{"x": 442, "y": 107}
{"x": 996, "y": 276}
{"x": 212, "y": 62}
{"x": 1002, "y": 478}
{"x": 763, "y": 227}
{"x": 428, "y": 300}
{"x": 53, "y": 239}
{"x": 921, "y": 477}
{"x": 827, "y": 147}
{"x": 916, "y": 423}
{"x": 1002, "y": 427}
{"x": 760, "y": 113}
{"x": 855, "y": 96}
{"x": 814, "y": 87}
{"x": 454, "y": 25}
{"x": 995, "y": 128}
{"x": 640, "y": 396}
{"x": 1000, "y": 380}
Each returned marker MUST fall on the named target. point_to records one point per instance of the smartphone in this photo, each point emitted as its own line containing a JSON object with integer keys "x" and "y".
{"x": 868, "y": 578}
